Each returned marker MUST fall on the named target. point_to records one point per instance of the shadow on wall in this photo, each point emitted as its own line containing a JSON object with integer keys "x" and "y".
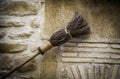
{"x": 109, "y": 9}
{"x": 91, "y": 3}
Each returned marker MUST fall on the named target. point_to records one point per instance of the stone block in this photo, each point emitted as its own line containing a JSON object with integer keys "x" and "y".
{"x": 20, "y": 35}
{"x": 90, "y": 60}
{"x": 92, "y": 45}
{"x": 117, "y": 46}
{"x": 8, "y": 22}
{"x": 2, "y": 34}
{"x": 99, "y": 55}
{"x": 20, "y": 8}
{"x": 99, "y": 50}
{"x": 69, "y": 54}
{"x": 35, "y": 23}
{"x": 12, "y": 47}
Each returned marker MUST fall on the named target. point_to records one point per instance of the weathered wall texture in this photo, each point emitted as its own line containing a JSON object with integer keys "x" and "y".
{"x": 20, "y": 24}
{"x": 95, "y": 56}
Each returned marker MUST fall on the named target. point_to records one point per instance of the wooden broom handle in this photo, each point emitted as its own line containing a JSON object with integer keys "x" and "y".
{"x": 45, "y": 48}
{"x": 41, "y": 50}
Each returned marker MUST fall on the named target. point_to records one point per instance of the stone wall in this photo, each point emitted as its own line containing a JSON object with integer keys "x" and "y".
{"x": 20, "y": 26}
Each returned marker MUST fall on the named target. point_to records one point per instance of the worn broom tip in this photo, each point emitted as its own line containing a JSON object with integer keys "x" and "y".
{"x": 77, "y": 27}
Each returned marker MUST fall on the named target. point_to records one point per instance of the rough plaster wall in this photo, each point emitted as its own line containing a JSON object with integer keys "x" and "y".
{"x": 95, "y": 56}
{"x": 20, "y": 24}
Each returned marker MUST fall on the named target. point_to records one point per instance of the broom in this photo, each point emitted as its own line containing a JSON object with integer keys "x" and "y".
{"x": 77, "y": 27}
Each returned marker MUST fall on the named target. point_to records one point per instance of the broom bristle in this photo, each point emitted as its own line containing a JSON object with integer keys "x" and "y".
{"x": 78, "y": 26}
